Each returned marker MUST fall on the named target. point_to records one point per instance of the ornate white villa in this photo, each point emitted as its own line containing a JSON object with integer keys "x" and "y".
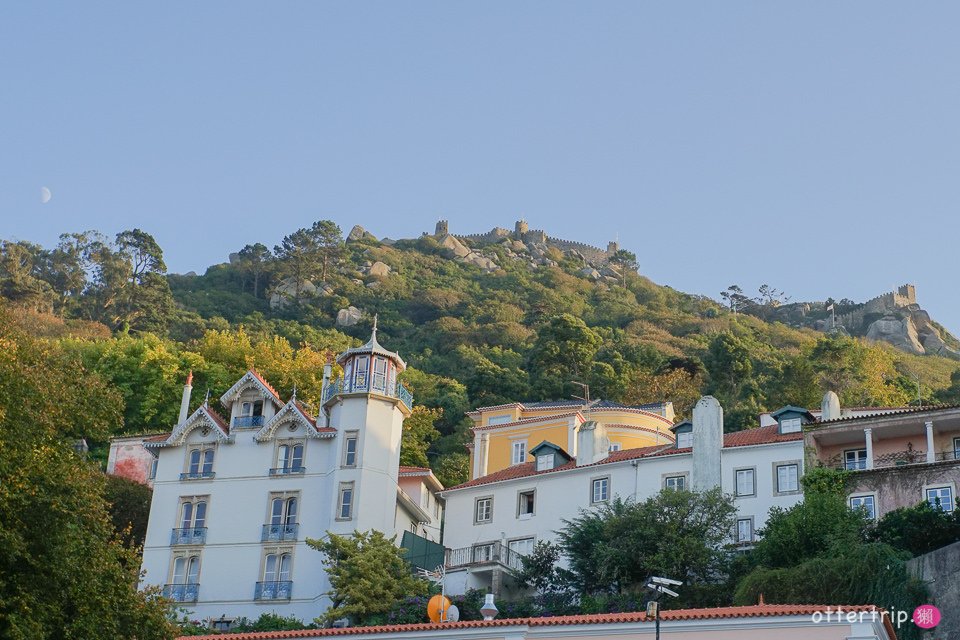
{"x": 236, "y": 497}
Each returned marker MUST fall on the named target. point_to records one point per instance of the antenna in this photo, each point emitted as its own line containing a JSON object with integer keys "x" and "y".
{"x": 586, "y": 391}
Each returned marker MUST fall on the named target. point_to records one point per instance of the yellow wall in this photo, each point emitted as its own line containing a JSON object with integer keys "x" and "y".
{"x": 501, "y": 441}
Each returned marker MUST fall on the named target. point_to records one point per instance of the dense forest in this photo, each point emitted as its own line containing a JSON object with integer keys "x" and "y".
{"x": 472, "y": 336}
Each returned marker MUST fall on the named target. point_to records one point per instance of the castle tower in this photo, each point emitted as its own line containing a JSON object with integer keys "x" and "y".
{"x": 367, "y": 407}
{"x": 612, "y": 247}
{"x": 441, "y": 229}
{"x": 520, "y": 229}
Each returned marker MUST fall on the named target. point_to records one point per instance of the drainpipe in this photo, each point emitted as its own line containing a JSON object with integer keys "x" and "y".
{"x": 636, "y": 479}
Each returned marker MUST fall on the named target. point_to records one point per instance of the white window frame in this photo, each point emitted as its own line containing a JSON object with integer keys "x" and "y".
{"x": 495, "y": 420}
{"x": 604, "y": 494}
{"x": 192, "y": 504}
{"x": 350, "y": 504}
{"x": 378, "y": 378}
{"x": 349, "y": 436}
{"x": 956, "y": 448}
{"x": 753, "y": 482}
{"x": 284, "y": 456}
{"x": 286, "y": 516}
{"x": 776, "y": 477}
{"x": 791, "y": 425}
{"x": 206, "y": 458}
{"x": 752, "y": 537}
{"x": 545, "y": 461}
{"x": 518, "y": 452}
{"x": 940, "y": 487}
{"x": 532, "y": 494}
{"x": 615, "y": 446}
{"x": 861, "y": 497}
{"x": 859, "y": 459}
{"x": 486, "y": 516}
{"x": 685, "y": 440}
{"x": 670, "y": 481}
{"x": 190, "y": 565}
{"x": 529, "y": 542}
{"x": 361, "y": 374}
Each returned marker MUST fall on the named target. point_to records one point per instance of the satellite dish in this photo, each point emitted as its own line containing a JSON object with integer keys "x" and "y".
{"x": 453, "y": 614}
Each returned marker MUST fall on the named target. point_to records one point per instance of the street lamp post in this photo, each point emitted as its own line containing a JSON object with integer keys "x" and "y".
{"x": 660, "y": 586}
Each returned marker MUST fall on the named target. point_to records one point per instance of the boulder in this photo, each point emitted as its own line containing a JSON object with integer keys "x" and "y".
{"x": 481, "y": 261}
{"x": 348, "y": 317}
{"x": 379, "y": 270}
{"x": 590, "y": 272}
{"x": 900, "y": 332}
{"x": 453, "y": 247}
{"x": 359, "y": 233}
{"x": 285, "y": 292}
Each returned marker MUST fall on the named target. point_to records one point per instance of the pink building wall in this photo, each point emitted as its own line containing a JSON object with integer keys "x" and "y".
{"x": 129, "y": 459}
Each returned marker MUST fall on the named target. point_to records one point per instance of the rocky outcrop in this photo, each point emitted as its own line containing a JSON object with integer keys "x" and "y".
{"x": 285, "y": 292}
{"x": 348, "y": 317}
{"x": 900, "y": 332}
{"x": 379, "y": 270}
{"x": 453, "y": 248}
{"x": 359, "y": 233}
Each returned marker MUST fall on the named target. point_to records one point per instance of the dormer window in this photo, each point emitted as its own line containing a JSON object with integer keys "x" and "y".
{"x": 790, "y": 425}
{"x": 684, "y": 440}
{"x": 545, "y": 461}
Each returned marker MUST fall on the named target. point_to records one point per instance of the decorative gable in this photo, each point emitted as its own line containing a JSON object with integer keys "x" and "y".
{"x": 293, "y": 414}
{"x": 251, "y": 380}
{"x": 205, "y": 419}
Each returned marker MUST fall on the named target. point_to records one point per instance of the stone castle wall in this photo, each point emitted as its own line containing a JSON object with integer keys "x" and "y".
{"x": 904, "y": 296}
{"x": 537, "y": 236}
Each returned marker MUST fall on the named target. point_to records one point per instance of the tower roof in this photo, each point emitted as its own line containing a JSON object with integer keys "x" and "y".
{"x": 373, "y": 347}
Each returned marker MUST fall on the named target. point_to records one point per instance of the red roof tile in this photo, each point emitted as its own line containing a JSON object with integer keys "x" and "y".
{"x": 256, "y": 374}
{"x": 753, "y": 611}
{"x": 748, "y": 437}
{"x": 415, "y": 470}
{"x": 218, "y": 419}
{"x": 158, "y": 438}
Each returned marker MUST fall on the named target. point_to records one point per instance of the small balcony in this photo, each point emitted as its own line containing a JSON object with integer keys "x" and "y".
{"x": 247, "y": 422}
{"x": 276, "y": 590}
{"x": 191, "y": 535}
{"x": 287, "y": 471}
{"x": 198, "y": 475}
{"x": 279, "y": 532}
{"x": 493, "y": 553}
{"x": 181, "y": 592}
{"x": 338, "y": 387}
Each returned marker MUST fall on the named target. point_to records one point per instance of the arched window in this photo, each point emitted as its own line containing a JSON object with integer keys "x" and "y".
{"x": 296, "y": 458}
{"x": 291, "y": 515}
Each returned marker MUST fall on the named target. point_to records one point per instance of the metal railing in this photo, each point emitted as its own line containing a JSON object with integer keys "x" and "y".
{"x": 279, "y": 532}
{"x": 190, "y": 535}
{"x": 492, "y": 553}
{"x": 894, "y": 459}
{"x": 276, "y": 590}
{"x": 181, "y": 592}
{"x": 245, "y": 422}
{"x": 286, "y": 471}
{"x": 197, "y": 475}
{"x": 399, "y": 391}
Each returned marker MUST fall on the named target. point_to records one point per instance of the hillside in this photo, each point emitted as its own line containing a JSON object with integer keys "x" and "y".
{"x": 482, "y": 319}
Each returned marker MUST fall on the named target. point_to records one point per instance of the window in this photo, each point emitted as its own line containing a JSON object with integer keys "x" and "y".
{"x": 744, "y": 530}
{"x": 282, "y": 518}
{"x": 523, "y": 546}
{"x": 483, "y": 553}
{"x": 153, "y": 468}
{"x": 788, "y": 478}
{"x": 790, "y": 425}
{"x": 184, "y": 578}
{"x": 276, "y": 584}
{"x": 854, "y": 459}
{"x": 289, "y": 458}
{"x": 284, "y": 510}
{"x": 956, "y": 448}
{"x": 864, "y": 502}
{"x": 191, "y": 525}
{"x": 499, "y": 420}
{"x": 519, "y": 452}
{"x": 345, "y": 503}
{"x": 350, "y": 443}
{"x": 544, "y": 462}
{"x": 674, "y": 483}
{"x": 685, "y": 440}
{"x": 483, "y": 510}
{"x": 746, "y": 482}
{"x": 525, "y": 504}
{"x": 615, "y": 446}
{"x": 940, "y": 498}
{"x": 360, "y": 376}
{"x": 379, "y": 374}
{"x": 199, "y": 463}
{"x": 600, "y": 490}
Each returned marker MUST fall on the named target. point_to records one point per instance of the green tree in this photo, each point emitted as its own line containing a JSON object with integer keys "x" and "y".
{"x": 627, "y": 261}
{"x": 329, "y": 240}
{"x": 298, "y": 258}
{"x": 367, "y": 573}
{"x": 129, "y": 505}
{"x": 63, "y": 573}
{"x": 254, "y": 262}
{"x": 730, "y": 367}
{"x": 680, "y": 534}
{"x": 919, "y": 529}
{"x": 418, "y": 434}
{"x": 564, "y": 351}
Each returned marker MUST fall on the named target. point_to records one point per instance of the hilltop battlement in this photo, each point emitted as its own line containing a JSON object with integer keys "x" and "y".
{"x": 523, "y": 233}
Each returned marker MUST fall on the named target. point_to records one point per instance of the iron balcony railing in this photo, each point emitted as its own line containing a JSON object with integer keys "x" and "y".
{"x": 190, "y": 535}
{"x": 279, "y": 532}
{"x": 337, "y": 387}
{"x": 276, "y": 590}
{"x": 181, "y": 592}
{"x": 245, "y": 422}
{"x": 481, "y": 554}
{"x": 894, "y": 459}
{"x": 286, "y": 471}
{"x": 197, "y": 475}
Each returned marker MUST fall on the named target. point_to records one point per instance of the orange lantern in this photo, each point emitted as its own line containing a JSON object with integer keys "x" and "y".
{"x": 437, "y": 608}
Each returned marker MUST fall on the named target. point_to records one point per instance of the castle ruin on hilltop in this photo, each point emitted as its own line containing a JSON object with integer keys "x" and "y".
{"x": 523, "y": 233}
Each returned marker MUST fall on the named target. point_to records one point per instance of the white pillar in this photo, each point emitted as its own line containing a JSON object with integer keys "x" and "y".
{"x": 484, "y": 453}
{"x": 931, "y": 454}
{"x": 185, "y": 400}
{"x": 706, "y": 473}
{"x": 868, "y": 437}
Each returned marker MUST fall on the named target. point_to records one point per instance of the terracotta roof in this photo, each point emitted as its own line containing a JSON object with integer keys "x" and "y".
{"x": 889, "y": 414}
{"x": 218, "y": 419}
{"x": 158, "y": 438}
{"x": 416, "y": 471}
{"x": 256, "y": 374}
{"x": 748, "y": 437}
{"x": 752, "y": 611}
{"x": 529, "y": 420}
{"x": 306, "y": 414}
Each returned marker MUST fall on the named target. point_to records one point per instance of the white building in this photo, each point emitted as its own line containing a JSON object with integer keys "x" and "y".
{"x": 236, "y": 498}
{"x": 493, "y": 518}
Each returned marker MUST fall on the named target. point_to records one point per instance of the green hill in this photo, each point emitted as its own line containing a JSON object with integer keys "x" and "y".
{"x": 508, "y": 320}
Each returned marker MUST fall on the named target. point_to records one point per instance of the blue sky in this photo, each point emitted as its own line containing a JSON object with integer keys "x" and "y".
{"x": 812, "y": 146}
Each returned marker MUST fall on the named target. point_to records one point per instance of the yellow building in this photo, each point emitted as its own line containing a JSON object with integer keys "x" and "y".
{"x": 504, "y": 435}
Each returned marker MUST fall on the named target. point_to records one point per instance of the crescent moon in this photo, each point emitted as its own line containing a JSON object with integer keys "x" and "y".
{"x": 45, "y": 195}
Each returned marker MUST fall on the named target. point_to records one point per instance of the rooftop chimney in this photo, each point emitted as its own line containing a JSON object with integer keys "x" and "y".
{"x": 592, "y": 443}
{"x": 185, "y": 400}
{"x": 707, "y": 443}
{"x": 830, "y": 407}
